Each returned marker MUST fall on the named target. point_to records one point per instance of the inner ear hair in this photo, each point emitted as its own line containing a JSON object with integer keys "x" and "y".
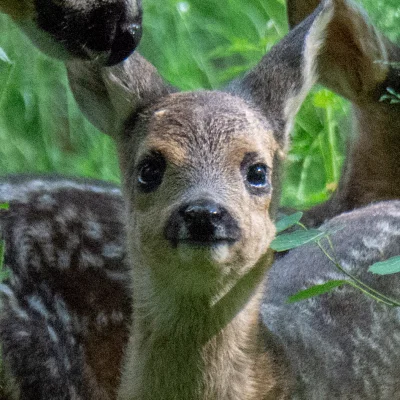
{"x": 108, "y": 96}
{"x": 280, "y": 82}
{"x": 356, "y": 57}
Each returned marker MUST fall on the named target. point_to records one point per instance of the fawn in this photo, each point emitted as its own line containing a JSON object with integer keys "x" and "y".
{"x": 201, "y": 174}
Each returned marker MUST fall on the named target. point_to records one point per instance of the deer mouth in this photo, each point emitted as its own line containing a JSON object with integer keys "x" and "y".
{"x": 206, "y": 241}
{"x": 202, "y": 224}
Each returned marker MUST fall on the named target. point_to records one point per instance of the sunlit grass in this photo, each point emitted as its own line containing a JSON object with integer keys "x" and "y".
{"x": 194, "y": 44}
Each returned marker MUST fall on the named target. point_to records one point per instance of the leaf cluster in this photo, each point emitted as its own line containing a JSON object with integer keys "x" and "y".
{"x": 302, "y": 236}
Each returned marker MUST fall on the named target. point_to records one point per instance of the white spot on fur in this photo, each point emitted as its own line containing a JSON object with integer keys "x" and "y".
{"x": 101, "y": 320}
{"x": 93, "y": 230}
{"x": 45, "y": 202}
{"x": 67, "y": 363}
{"x": 13, "y": 303}
{"x": 220, "y": 253}
{"x": 37, "y": 305}
{"x": 90, "y": 260}
{"x": 70, "y": 213}
{"x": 52, "y": 334}
{"x": 160, "y": 113}
{"x": 378, "y": 242}
{"x": 64, "y": 259}
{"x": 22, "y": 191}
{"x": 62, "y": 312}
{"x": 117, "y": 275}
{"x": 112, "y": 250}
{"x": 6, "y": 290}
{"x": 73, "y": 392}
{"x": 51, "y": 364}
{"x": 42, "y": 229}
{"x": 23, "y": 334}
{"x": 116, "y": 317}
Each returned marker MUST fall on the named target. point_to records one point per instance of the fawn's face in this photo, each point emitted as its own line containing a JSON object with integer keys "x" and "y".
{"x": 198, "y": 167}
{"x": 198, "y": 180}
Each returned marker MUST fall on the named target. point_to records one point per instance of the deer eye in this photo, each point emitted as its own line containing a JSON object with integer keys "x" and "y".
{"x": 257, "y": 176}
{"x": 151, "y": 172}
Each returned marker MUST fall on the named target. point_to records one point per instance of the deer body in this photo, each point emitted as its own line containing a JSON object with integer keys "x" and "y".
{"x": 182, "y": 335}
{"x": 341, "y": 337}
{"x": 200, "y": 183}
{"x": 326, "y": 340}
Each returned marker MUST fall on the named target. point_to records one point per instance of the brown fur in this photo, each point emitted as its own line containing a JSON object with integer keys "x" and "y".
{"x": 19, "y": 9}
{"x": 372, "y": 168}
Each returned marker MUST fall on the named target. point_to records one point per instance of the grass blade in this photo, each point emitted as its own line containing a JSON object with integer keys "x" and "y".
{"x": 316, "y": 290}
{"x": 288, "y": 241}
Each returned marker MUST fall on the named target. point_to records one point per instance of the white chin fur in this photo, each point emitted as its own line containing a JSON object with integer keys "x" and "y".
{"x": 217, "y": 253}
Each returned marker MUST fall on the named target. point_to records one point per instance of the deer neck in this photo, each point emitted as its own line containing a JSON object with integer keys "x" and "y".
{"x": 375, "y": 164}
{"x": 189, "y": 348}
{"x": 372, "y": 171}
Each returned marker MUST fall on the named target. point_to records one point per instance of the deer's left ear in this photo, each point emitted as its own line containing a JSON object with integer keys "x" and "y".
{"x": 281, "y": 81}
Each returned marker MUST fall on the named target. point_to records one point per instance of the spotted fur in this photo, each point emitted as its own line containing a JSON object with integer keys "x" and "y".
{"x": 66, "y": 306}
{"x": 341, "y": 345}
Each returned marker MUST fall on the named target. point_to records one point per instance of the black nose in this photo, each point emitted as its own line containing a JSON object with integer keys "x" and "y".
{"x": 126, "y": 40}
{"x": 202, "y": 222}
{"x": 111, "y": 29}
{"x": 202, "y": 214}
{"x": 100, "y": 27}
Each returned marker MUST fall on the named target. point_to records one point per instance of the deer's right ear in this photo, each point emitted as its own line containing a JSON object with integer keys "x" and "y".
{"x": 285, "y": 75}
{"x": 108, "y": 96}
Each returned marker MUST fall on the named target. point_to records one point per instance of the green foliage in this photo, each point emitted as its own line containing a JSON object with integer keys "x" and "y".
{"x": 41, "y": 128}
{"x": 392, "y": 97}
{"x": 194, "y": 44}
{"x": 287, "y": 241}
{"x": 288, "y": 221}
{"x": 302, "y": 236}
{"x": 316, "y": 290}
{"x": 387, "y": 267}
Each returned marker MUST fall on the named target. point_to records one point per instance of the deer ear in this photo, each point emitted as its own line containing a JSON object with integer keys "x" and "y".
{"x": 283, "y": 78}
{"x": 108, "y": 96}
{"x": 355, "y": 58}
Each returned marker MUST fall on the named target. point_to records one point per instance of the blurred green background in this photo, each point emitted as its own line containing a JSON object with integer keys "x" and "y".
{"x": 194, "y": 44}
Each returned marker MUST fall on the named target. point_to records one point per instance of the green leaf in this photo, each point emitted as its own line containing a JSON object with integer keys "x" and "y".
{"x": 3, "y": 273}
{"x": 288, "y": 221}
{"x": 4, "y": 206}
{"x": 387, "y": 267}
{"x": 392, "y": 91}
{"x": 288, "y": 241}
{"x": 316, "y": 290}
{"x": 4, "y": 57}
